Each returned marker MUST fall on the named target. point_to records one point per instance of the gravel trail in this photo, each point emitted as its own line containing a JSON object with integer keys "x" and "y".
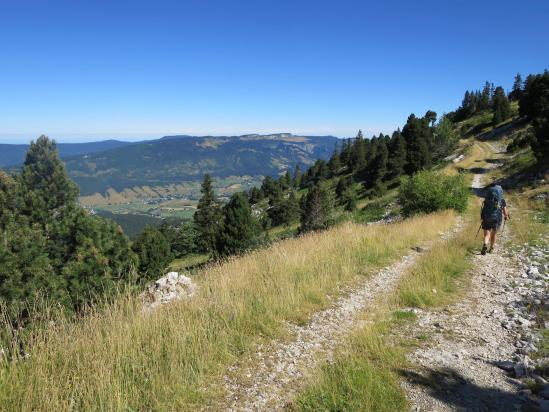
{"x": 458, "y": 369}
{"x": 278, "y": 368}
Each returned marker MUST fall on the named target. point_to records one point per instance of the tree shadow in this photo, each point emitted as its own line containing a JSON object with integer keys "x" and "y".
{"x": 451, "y": 388}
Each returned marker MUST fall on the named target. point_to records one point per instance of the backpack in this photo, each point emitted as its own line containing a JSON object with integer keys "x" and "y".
{"x": 491, "y": 208}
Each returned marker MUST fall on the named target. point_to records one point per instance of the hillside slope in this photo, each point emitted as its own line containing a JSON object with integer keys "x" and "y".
{"x": 14, "y": 154}
{"x": 176, "y": 159}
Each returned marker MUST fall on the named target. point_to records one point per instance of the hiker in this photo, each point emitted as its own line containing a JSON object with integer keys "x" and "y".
{"x": 494, "y": 210}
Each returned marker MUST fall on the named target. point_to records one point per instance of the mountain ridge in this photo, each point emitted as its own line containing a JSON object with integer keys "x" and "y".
{"x": 175, "y": 159}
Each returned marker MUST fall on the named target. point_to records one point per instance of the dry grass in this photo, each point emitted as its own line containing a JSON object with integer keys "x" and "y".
{"x": 119, "y": 359}
{"x": 366, "y": 370}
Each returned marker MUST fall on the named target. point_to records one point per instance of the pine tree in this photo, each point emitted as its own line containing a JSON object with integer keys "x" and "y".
{"x": 342, "y": 184}
{"x": 335, "y": 161}
{"x": 358, "y": 156}
{"x": 53, "y": 246}
{"x": 347, "y": 154}
{"x": 349, "y": 200}
{"x": 534, "y": 104}
{"x": 397, "y": 155}
{"x": 484, "y": 102}
{"x": 298, "y": 176}
{"x": 502, "y": 108}
{"x": 207, "y": 216}
{"x": 240, "y": 230}
{"x": 517, "y": 91}
{"x": 417, "y": 135}
{"x": 316, "y": 210}
{"x": 46, "y": 188}
{"x": 154, "y": 252}
{"x": 379, "y": 164}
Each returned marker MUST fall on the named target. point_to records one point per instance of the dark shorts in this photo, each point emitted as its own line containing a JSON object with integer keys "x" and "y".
{"x": 491, "y": 225}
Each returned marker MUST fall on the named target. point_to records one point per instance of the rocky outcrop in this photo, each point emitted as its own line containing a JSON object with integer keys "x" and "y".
{"x": 171, "y": 287}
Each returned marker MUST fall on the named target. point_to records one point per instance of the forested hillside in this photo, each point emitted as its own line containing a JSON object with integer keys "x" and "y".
{"x": 173, "y": 160}
{"x": 14, "y": 154}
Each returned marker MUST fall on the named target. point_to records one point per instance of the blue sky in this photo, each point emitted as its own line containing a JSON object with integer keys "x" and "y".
{"x": 85, "y": 70}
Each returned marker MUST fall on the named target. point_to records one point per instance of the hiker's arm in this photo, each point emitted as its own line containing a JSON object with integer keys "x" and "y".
{"x": 506, "y": 214}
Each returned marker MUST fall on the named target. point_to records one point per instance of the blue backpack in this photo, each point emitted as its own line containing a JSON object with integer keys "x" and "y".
{"x": 491, "y": 209}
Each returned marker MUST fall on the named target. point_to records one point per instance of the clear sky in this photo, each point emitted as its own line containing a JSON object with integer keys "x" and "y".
{"x": 85, "y": 70}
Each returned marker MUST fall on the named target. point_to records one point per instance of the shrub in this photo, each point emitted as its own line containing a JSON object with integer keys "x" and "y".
{"x": 428, "y": 191}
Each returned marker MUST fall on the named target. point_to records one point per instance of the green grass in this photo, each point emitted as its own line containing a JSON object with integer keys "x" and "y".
{"x": 190, "y": 261}
{"x": 361, "y": 378}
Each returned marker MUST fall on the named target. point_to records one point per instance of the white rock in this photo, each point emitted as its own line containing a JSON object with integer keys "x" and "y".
{"x": 172, "y": 286}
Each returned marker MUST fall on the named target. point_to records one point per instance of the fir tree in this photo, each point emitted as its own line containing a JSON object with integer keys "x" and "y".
{"x": 298, "y": 176}
{"x": 207, "y": 216}
{"x": 484, "y": 102}
{"x": 316, "y": 210}
{"x": 417, "y": 135}
{"x": 240, "y": 230}
{"x": 153, "y": 251}
{"x": 358, "y": 156}
{"x": 534, "y": 104}
{"x": 502, "y": 108}
{"x": 397, "y": 155}
{"x": 517, "y": 91}
{"x": 335, "y": 161}
{"x": 46, "y": 188}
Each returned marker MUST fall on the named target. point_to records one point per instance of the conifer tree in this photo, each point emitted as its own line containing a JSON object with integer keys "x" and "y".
{"x": 517, "y": 91}
{"x": 240, "y": 230}
{"x": 397, "y": 155}
{"x": 417, "y": 135}
{"x": 153, "y": 251}
{"x": 502, "y": 108}
{"x": 316, "y": 210}
{"x": 484, "y": 102}
{"x": 298, "y": 176}
{"x": 207, "y": 216}
{"x": 46, "y": 188}
{"x": 335, "y": 161}
{"x": 347, "y": 154}
{"x": 534, "y": 104}
{"x": 358, "y": 156}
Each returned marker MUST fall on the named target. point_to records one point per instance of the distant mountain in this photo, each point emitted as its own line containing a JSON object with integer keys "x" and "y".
{"x": 175, "y": 159}
{"x": 14, "y": 154}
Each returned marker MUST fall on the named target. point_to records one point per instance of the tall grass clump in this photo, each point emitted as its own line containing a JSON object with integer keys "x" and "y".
{"x": 429, "y": 191}
{"x": 118, "y": 358}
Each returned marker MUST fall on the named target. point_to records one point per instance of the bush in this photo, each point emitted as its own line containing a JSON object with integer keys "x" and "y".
{"x": 428, "y": 191}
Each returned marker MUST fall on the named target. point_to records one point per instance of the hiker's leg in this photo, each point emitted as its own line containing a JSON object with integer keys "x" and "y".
{"x": 493, "y": 233}
{"x": 487, "y": 236}
{"x": 486, "y": 241}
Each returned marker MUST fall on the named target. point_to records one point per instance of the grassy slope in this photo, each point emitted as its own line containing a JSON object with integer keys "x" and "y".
{"x": 120, "y": 359}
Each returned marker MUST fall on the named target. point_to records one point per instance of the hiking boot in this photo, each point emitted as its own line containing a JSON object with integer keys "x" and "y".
{"x": 491, "y": 249}
{"x": 483, "y": 250}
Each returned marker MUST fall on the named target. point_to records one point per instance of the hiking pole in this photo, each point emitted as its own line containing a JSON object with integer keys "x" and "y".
{"x": 478, "y": 231}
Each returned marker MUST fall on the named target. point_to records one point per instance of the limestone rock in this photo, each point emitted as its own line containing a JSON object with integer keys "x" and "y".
{"x": 168, "y": 288}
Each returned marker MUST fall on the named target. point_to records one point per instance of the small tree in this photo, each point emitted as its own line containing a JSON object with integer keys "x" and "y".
{"x": 502, "y": 108}
{"x": 316, "y": 210}
{"x": 207, "y": 216}
{"x": 153, "y": 250}
{"x": 240, "y": 230}
{"x": 517, "y": 91}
